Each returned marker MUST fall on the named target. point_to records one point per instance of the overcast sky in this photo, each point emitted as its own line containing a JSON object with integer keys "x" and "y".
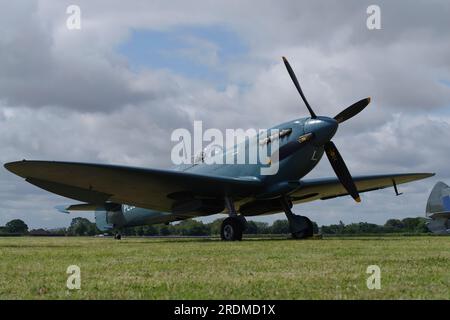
{"x": 114, "y": 91}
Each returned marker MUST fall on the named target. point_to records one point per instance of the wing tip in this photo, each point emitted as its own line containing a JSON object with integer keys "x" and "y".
{"x": 12, "y": 166}
{"x": 16, "y": 167}
{"x": 420, "y": 175}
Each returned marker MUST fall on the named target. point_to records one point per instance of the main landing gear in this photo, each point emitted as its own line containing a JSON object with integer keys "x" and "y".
{"x": 301, "y": 227}
{"x": 233, "y": 226}
{"x": 118, "y": 236}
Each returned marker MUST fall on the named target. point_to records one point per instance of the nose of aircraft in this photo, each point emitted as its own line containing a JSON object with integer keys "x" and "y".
{"x": 323, "y": 129}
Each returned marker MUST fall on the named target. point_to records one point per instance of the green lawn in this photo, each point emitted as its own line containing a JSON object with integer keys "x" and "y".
{"x": 135, "y": 268}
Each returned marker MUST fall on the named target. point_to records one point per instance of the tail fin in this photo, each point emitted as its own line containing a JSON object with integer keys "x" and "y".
{"x": 438, "y": 204}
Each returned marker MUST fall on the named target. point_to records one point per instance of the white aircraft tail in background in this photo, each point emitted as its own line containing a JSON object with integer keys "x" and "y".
{"x": 438, "y": 209}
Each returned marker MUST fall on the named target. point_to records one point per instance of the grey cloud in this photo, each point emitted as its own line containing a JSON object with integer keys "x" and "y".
{"x": 71, "y": 69}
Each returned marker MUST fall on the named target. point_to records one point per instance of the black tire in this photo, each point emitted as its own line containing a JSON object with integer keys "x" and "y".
{"x": 118, "y": 236}
{"x": 308, "y": 232}
{"x": 231, "y": 229}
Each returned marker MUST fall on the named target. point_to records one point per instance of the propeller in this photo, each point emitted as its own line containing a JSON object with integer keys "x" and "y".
{"x": 352, "y": 111}
{"x": 333, "y": 155}
{"x": 299, "y": 89}
{"x": 339, "y": 167}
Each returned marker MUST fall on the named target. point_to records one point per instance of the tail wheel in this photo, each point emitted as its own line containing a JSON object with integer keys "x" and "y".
{"x": 231, "y": 229}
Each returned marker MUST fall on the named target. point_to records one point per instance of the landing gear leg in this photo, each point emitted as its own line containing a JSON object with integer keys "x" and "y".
{"x": 301, "y": 227}
{"x": 233, "y": 226}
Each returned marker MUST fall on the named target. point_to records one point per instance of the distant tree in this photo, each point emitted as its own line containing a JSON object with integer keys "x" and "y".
{"x": 315, "y": 228}
{"x": 262, "y": 227}
{"x": 150, "y": 230}
{"x": 410, "y": 225}
{"x": 362, "y": 227}
{"x": 352, "y": 228}
{"x": 146, "y": 230}
{"x": 192, "y": 227}
{"x": 82, "y": 227}
{"x": 415, "y": 225}
{"x": 39, "y": 232}
{"x": 16, "y": 226}
{"x": 215, "y": 226}
{"x": 139, "y": 231}
{"x": 129, "y": 231}
{"x": 341, "y": 227}
{"x": 164, "y": 230}
{"x": 280, "y": 227}
{"x": 252, "y": 227}
{"x": 332, "y": 229}
{"x": 59, "y": 231}
{"x": 394, "y": 225}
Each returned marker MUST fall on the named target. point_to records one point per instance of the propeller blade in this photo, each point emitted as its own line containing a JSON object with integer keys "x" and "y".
{"x": 352, "y": 111}
{"x": 299, "y": 89}
{"x": 291, "y": 147}
{"x": 341, "y": 170}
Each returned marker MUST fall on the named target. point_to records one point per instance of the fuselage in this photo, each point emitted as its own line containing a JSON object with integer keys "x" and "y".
{"x": 292, "y": 168}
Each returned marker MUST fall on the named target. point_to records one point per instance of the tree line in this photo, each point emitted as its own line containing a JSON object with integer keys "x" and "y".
{"x": 83, "y": 227}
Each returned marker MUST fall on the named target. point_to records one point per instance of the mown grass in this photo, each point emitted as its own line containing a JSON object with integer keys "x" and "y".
{"x": 140, "y": 268}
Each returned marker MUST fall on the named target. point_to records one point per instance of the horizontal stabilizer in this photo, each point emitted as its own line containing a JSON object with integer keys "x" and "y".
{"x": 77, "y": 207}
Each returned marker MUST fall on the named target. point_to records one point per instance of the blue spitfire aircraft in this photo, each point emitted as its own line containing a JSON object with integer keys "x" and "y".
{"x": 128, "y": 196}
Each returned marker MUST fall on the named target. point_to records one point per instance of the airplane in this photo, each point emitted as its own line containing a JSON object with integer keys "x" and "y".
{"x": 438, "y": 209}
{"x": 123, "y": 196}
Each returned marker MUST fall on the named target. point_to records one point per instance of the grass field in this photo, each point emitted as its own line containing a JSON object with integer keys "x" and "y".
{"x": 140, "y": 268}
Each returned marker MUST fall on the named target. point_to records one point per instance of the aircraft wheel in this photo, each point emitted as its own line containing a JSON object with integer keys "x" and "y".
{"x": 231, "y": 229}
{"x": 301, "y": 227}
{"x": 118, "y": 236}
